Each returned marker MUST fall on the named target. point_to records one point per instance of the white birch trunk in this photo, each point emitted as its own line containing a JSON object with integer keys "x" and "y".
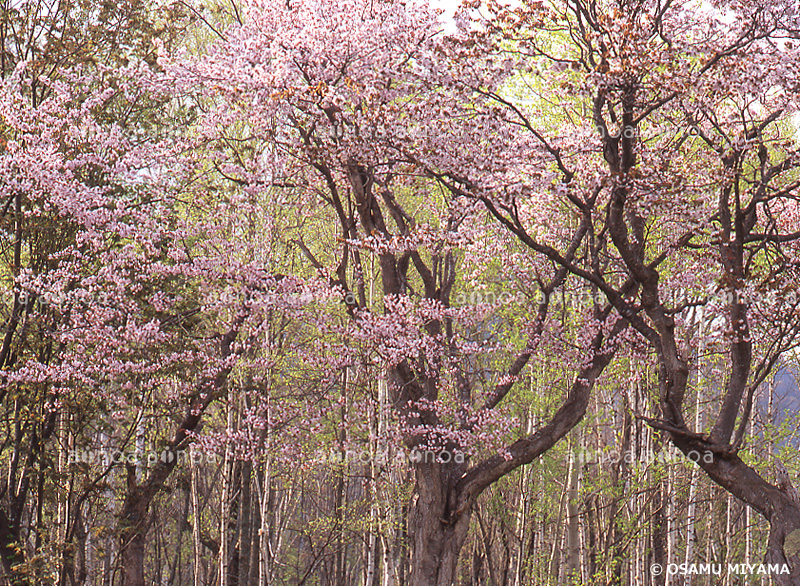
{"x": 225, "y": 503}
{"x": 264, "y": 566}
{"x": 691, "y": 532}
{"x": 573, "y": 541}
{"x": 670, "y": 520}
{"x": 196, "y": 545}
{"x": 523, "y": 508}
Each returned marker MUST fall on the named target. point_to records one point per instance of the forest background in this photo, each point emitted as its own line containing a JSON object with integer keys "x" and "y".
{"x": 356, "y": 294}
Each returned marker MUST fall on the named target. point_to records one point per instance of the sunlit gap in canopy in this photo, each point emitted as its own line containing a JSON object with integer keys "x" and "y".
{"x": 449, "y": 8}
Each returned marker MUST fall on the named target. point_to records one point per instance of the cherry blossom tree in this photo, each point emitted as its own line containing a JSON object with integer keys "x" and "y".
{"x": 349, "y": 110}
{"x": 676, "y": 146}
{"x": 138, "y": 308}
{"x": 643, "y": 148}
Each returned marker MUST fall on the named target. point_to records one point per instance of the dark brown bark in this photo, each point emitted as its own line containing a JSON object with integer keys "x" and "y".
{"x": 446, "y": 490}
{"x": 714, "y": 453}
{"x": 440, "y": 514}
{"x": 245, "y": 528}
{"x": 436, "y": 535}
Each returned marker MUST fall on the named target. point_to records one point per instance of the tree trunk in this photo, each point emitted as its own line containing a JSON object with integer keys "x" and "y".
{"x": 225, "y": 504}
{"x": 197, "y": 547}
{"x": 371, "y": 472}
{"x": 436, "y": 537}
{"x": 659, "y": 531}
{"x": 132, "y": 537}
{"x": 245, "y": 530}
{"x": 555, "y": 550}
{"x": 785, "y": 526}
{"x": 670, "y": 521}
{"x": 523, "y": 511}
{"x": 573, "y": 570}
{"x": 264, "y": 557}
{"x": 691, "y": 532}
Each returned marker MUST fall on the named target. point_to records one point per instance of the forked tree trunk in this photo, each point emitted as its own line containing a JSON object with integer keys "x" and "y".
{"x": 447, "y": 491}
